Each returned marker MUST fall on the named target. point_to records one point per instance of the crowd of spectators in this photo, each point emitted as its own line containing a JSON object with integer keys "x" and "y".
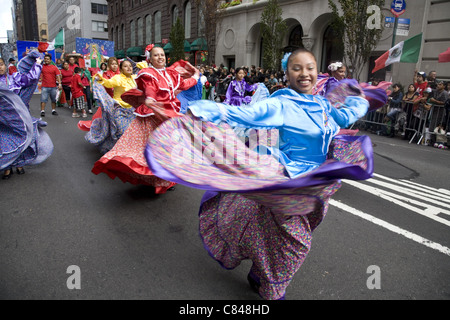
{"x": 421, "y": 105}
{"x": 421, "y": 112}
{"x": 219, "y": 77}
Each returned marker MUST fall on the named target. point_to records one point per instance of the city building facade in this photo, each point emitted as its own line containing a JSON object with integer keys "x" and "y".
{"x": 30, "y": 20}
{"x": 239, "y": 40}
{"x": 135, "y": 24}
{"x": 80, "y": 19}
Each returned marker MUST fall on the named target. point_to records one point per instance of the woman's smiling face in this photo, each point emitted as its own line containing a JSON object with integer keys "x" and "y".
{"x": 302, "y": 72}
{"x": 158, "y": 58}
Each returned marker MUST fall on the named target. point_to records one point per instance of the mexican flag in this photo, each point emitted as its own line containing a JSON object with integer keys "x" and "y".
{"x": 58, "y": 42}
{"x": 405, "y": 51}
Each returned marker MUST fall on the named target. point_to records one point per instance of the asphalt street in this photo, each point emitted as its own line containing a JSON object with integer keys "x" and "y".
{"x": 130, "y": 244}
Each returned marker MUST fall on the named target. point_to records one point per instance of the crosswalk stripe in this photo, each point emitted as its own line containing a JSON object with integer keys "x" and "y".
{"x": 391, "y": 227}
{"x": 429, "y": 211}
{"x": 417, "y": 187}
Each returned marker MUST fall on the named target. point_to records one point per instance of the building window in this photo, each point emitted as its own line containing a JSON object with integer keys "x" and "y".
{"x": 158, "y": 27}
{"x": 117, "y": 38}
{"x": 201, "y": 23}
{"x": 174, "y": 14}
{"x": 132, "y": 34}
{"x": 140, "y": 31}
{"x": 148, "y": 29}
{"x": 99, "y": 8}
{"x": 332, "y": 49}
{"x": 187, "y": 20}
{"x": 99, "y": 26}
{"x": 123, "y": 36}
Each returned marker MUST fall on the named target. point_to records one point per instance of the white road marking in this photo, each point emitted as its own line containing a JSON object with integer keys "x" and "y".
{"x": 418, "y": 201}
{"x": 391, "y": 227}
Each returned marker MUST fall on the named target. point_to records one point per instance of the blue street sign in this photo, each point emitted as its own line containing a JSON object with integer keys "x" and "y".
{"x": 398, "y": 7}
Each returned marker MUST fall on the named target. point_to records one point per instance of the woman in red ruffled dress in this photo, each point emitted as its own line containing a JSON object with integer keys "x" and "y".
{"x": 112, "y": 70}
{"x": 155, "y": 101}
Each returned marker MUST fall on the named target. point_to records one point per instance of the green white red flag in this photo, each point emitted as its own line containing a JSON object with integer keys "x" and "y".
{"x": 404, "y": 51}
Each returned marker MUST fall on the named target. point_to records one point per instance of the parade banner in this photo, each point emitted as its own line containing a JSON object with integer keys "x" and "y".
{"x": 24, "y": 46}
{"x": 94, "y": 51}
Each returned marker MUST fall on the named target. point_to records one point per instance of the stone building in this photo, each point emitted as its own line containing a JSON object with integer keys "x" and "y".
{"x": 80, "y": 19}
{"x": 239, "y": 40}
{"x": 30, "y": 20}
{"x": 135, "y": 24}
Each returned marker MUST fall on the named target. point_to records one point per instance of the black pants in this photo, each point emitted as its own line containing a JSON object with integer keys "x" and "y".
{"x": 87, "y": 93}
{"x": 68, "y": 93}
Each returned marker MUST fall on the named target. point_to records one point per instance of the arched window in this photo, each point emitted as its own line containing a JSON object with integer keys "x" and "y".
{"x": 187, "y": 20}
{"x": 116, "y": 39}
{"x": 201, "y": 23}
{"x": 158, "y": 27}
{"x": 295, "y": 38}
{"x": 174, "y": 14}
{"x": 122, "y": 33}
{"x": 140, "y": 31}
{"x": 332, "y": 49}
{"x": 148, "y": 29}
{"x": 132, "y": 34}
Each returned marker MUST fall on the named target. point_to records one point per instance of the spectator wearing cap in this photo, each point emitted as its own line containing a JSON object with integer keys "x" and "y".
{"x": 420, "y": 83}
{"x": 12, "y": 66}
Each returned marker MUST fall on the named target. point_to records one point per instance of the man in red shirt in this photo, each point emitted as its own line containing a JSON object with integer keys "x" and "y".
{"x": 420, "y": 83}
{"x": 51, "y": 82}
{"x": 12, "y": 66}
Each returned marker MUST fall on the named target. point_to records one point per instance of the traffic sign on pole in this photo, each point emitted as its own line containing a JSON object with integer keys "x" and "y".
{"x": 398, "y": 7}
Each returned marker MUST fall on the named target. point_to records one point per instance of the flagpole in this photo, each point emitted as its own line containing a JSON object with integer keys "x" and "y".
{"x": 389, "y": 68}
{"x": 426, "y": 11}
{"x": 395, "y": 32}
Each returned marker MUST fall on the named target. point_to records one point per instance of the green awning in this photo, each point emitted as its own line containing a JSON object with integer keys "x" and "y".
{"x": 119, "y": 54}
{"x": 187, "y": 46}
{"x": 199, "y": 45}
{"x": 135, "y": 52}
{"x": 168, "y": 47}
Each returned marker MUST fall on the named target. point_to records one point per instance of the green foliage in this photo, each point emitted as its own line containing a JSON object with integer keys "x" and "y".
{"x": 273, "y": 30}
{"x": 177, "y": 41}
{"x": 350, "y": 23}
{"x": 230, "y": 4}
{"x": 212, "y": 15}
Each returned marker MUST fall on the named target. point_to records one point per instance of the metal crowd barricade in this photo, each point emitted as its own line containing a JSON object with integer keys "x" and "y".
{"x": 412, "y": 121}
{"x": 408, "y": 122}
{"x": 416, "y": 120}
{"x": 436, "y": 117}
{"x": 373, "y": 120}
